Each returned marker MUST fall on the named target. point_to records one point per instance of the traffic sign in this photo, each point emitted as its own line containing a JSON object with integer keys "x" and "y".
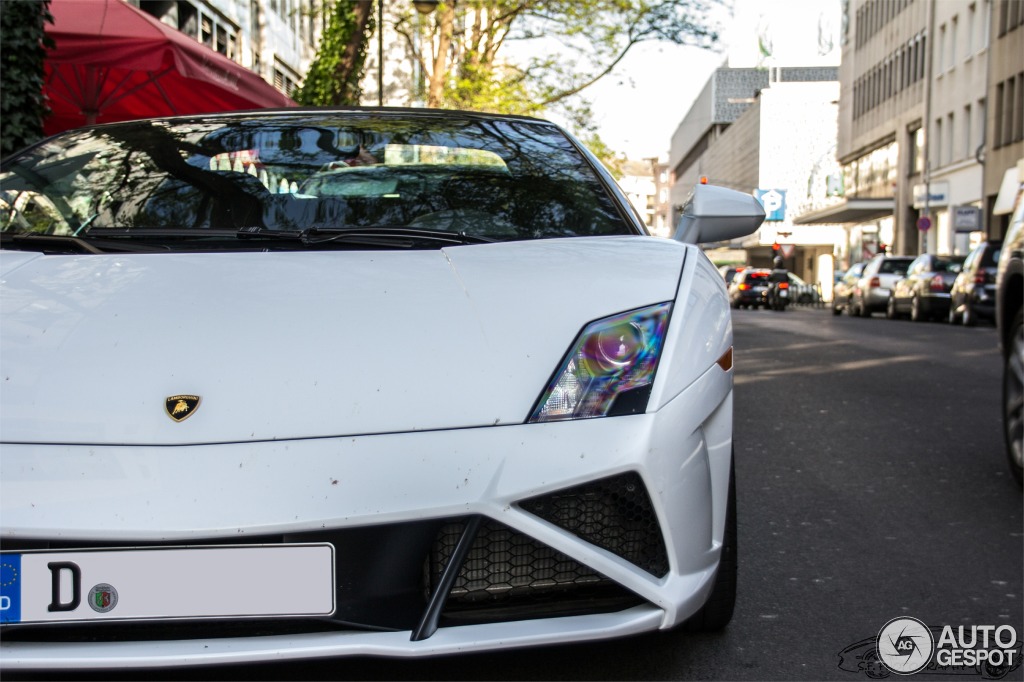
{"x": 924, "y": 223}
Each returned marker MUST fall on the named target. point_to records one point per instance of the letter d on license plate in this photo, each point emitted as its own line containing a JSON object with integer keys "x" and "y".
{"x": 167, "y": 583}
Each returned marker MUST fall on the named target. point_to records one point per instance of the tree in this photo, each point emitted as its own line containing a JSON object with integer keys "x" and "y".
{"x": 22, "y": 105}
{"x": 333, "y": 77}
{"x": 586, "y": 40}
{"x": 463, "y": 51}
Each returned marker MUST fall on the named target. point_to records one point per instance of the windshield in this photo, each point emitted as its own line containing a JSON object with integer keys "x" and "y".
{"x": 497, "y": 179}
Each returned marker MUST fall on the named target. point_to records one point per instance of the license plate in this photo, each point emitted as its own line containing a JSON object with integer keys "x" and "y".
{"x": 167, "y": 583}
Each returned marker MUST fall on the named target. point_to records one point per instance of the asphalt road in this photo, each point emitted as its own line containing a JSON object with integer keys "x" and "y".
{"x": 872, "y": 484}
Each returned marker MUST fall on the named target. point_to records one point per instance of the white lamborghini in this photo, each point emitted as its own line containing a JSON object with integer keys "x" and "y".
{"x": 300, "y": 384}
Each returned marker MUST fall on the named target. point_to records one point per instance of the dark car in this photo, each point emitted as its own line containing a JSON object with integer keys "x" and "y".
{"x": 871, "y": 293}
{"x": 843, "y": 291}
{"x": 924, "y": 292}
{"x": 973, "y": 295}
{"x": 748, "y": 288}
{"x": 1010, "y": 322}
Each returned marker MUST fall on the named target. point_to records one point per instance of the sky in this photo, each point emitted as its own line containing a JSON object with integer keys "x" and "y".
{"x": 640, "y": 105}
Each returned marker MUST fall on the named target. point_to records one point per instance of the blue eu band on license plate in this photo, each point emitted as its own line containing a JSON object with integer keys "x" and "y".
{"x": 167, "y": 583}
{"x": 10, "y": 588}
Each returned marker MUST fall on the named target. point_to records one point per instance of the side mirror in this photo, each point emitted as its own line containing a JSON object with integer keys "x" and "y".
{"x": 717, "y": 214}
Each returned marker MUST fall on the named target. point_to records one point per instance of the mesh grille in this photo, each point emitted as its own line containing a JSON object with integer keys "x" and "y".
{"x": 614, "y": 513}
{"x": 509, "y": 576}
{"x": 504, "y": 565}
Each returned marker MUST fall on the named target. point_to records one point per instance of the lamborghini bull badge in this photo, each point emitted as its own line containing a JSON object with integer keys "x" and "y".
{"x": 181, "y": 407}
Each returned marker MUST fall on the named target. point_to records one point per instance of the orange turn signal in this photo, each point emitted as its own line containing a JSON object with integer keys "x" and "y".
{"x": 725, "y": 362}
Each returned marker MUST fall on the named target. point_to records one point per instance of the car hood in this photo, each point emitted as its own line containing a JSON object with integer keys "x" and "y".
{"x": 281, "y": 345}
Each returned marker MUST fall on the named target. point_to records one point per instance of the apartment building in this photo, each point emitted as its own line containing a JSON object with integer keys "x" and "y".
{"x": 1004, "y": 143}
{"x": 922, "y": 150}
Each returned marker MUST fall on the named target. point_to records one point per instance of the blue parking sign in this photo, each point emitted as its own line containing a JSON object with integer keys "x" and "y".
{"x": 773, "y": 201}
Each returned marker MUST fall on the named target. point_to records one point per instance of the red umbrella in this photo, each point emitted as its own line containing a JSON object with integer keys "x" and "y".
{"x": 113, "y": 62}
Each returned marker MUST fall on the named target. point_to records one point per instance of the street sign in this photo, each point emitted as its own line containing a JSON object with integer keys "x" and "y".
{"x": 773, "y": 201}
{"x": 924, "y": 223}
{"x": 967, "y": 219}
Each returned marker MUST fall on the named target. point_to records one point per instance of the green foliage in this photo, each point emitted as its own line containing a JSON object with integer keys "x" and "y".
{"x": 572, "y": 45}
{"x": 334, "y": 76}
{"x": 459, "y": 49}
{"x": 22, "y": 105}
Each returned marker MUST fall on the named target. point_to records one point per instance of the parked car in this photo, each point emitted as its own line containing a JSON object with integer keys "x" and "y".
{"x": 749, "y": 288}
{"x": 1010, "y": 323}
{"x": 923, "y": 293}
{"x": 842, "y": 294}
{"x": 973, "y": 296}
{"x": 729, "y": 271}
{"x": 871, "y": 293}
{"x": 249, "y": 406}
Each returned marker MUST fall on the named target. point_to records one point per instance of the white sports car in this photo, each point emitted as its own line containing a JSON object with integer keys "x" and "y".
{"x": 301, "y": 384}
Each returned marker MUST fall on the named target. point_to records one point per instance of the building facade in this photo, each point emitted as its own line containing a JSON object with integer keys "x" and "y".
{"x": 763, "y": 132}
{"x": 928, "y": 123}
{"x": 1004, "y": 143}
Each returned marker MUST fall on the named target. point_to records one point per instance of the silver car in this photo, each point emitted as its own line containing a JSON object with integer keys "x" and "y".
{"x": 871, "y": 294}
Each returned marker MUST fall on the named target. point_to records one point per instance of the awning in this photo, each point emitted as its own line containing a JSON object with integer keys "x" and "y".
{"x": 1007, "y": 192}
{"x": 851, "y": 211}
{"x": 113, "y": 62}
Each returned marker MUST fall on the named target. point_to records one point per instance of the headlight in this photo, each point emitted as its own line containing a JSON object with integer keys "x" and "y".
{"x": 609, "y": 370}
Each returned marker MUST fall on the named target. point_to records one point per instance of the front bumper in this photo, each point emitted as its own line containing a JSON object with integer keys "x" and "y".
{"x": 74, "y": 496}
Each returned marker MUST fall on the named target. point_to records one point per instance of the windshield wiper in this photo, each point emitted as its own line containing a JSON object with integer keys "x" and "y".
{"x": 68, "y": 244}
{"x": 158, "y": 232}
{"x": 383, "y": 236}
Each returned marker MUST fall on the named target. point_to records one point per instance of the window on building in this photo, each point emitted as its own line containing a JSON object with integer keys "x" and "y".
{"x": 221, "y": 40}
{"x": 979, "y": 116}
{"x": 1018, "y": 108}
{"x": 997, "y": 118}
{"x": 206, "y": 31}
{"x": 968, "y": 134}
{"x": 188, "y": 20}
{"x": 916, "y": 147}
{"x": 972, "y": 17}
{"x": 986, "y": 32}
{"x": 922, "y": 47}
{"x": 940, "y": 61}
{"x": 1009, "y": 104}
{"x": 950, "y": 154}
{"x": 954, "y": 31}
{"x": 936, "y": 148}
{"x": 285, "y": 79}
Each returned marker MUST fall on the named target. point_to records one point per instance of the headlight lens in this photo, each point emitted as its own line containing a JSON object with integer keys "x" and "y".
{"x": 610, "y": 368}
